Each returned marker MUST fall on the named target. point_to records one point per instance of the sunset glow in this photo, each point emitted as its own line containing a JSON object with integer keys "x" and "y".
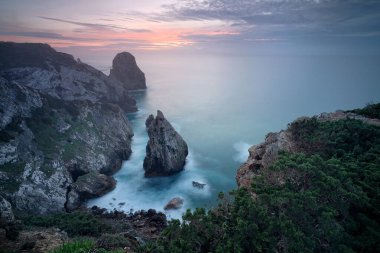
{"x": 168, "y": 24}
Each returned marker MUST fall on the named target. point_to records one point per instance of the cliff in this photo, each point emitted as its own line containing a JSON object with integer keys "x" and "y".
{"x": 263, "y": 155}
{"x": 63, "y": 129}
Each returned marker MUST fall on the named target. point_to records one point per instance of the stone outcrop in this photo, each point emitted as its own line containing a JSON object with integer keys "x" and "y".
{"x": 166, "y": 151}
{"x": 48, "y": 140}
{"x": 263, "y": 155}
{"x": 125, "y": 70}
{"x": 174, "y": 203}
{"x": 94, "y": 184}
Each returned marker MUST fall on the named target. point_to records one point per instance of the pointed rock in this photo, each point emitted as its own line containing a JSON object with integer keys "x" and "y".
{"x": 166, "y": 151}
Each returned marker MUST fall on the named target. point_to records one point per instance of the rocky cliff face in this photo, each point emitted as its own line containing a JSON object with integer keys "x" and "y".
{"x": 166, "y": 151}
{"x": 125, "y": 70}
{"x": 56, "y": 150}
{"x": 263, "y": 155}
{"x": 57, "y": 74}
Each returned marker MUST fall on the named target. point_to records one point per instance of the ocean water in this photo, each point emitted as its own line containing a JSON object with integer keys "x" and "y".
{"x": 222, "y": 104}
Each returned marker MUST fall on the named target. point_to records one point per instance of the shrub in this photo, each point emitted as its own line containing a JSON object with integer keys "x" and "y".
{"x": 370, "y": 111}
{"x": 75, "y": 224}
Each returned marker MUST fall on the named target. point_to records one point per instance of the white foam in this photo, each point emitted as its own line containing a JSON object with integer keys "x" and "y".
{"x": 241, "y": 154}
{"x": 138, "y": 192}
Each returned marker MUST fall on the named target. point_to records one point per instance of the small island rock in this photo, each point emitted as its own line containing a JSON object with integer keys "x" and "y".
{"x": 166, "y": 151}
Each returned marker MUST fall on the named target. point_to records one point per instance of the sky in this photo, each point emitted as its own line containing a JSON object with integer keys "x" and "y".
{"x": 98, "y": 25}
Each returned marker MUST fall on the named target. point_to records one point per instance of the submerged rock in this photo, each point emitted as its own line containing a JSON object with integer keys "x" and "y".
{"x": 166, "y": 151}
{"x": 198, "y": 185}
{"x": 174, "y": 203}
{"x": 125, "y": 70}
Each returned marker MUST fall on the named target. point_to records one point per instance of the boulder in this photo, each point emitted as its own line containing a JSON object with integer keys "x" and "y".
{"x": 125, "y": 70}
{"x": 94, "y": 184}
{"x": 166, "y": 151}
{"x": 174, "y": 203}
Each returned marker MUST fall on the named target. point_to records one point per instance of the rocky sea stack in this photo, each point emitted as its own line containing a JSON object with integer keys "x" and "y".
{"x": 125, "y": 70}
{"x": 166, "y": 151}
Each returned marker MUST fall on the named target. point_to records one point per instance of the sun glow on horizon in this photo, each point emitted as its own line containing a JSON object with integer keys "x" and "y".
{"x": 133, "y": 29}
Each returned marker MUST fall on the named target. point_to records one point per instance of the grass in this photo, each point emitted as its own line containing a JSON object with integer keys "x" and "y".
{"x": 75, "y": 247}
{"x": 83, "y": 246}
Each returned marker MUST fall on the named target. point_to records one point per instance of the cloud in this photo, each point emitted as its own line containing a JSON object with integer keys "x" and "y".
{"x": 45, "y": 35}
{"x": 96, "y": 26}
{"x": 273, "y": 17}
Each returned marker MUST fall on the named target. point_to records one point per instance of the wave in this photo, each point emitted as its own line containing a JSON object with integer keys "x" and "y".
{"x": 241, "y": 149}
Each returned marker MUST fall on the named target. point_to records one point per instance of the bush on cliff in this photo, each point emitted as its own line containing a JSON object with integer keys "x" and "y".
{"x": 370, "y": 111}
{"x": 83, "y": 246}
{"x": 75, "y": 224}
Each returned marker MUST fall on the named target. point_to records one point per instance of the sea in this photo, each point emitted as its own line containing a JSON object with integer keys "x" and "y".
{"x": 221, "y": 104}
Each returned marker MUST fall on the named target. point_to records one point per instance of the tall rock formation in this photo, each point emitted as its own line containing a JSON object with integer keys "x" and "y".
{"x": 125, "y": 70}
{"x": 166, "y": 151}
{"x": 63, "y": 131}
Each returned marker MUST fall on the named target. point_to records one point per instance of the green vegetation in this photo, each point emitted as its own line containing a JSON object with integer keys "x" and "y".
{"x": 83, "y": 246}
{"x": 323, "y": 199}
{"x": 75, "y": 224}
{"x": 114, "y": 241}
{"x": 370, "y": 111}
